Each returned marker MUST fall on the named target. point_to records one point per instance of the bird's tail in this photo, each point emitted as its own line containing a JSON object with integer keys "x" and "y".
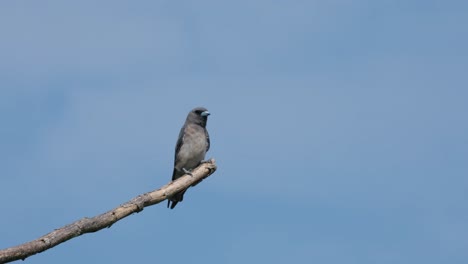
{"x": 173, "y": 200}
{"x": 178, "y": 197}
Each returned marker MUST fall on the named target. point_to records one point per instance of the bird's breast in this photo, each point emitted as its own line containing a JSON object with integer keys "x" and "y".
{"x": 193, "y": 149}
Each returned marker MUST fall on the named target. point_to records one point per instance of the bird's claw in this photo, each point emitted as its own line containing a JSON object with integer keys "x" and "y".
{"x": 189, "y": 172}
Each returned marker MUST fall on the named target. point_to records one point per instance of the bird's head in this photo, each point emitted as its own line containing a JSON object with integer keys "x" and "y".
{"x": 199, "y": 115}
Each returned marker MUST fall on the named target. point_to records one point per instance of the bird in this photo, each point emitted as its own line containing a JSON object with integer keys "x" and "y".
{"x": 191, "y": 148}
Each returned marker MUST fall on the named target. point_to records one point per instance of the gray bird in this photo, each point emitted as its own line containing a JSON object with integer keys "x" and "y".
{"x": 191, "y": 147}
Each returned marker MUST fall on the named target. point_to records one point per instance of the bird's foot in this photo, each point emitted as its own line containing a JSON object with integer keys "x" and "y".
{"x": 189, "y": 172}
{"x": 205, "y": 161}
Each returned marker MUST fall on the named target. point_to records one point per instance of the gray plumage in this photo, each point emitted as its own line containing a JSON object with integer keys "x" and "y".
{"x": 191, "y": 147}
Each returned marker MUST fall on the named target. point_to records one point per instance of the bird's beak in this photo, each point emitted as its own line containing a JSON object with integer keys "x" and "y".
{"x": 205, "y": 113}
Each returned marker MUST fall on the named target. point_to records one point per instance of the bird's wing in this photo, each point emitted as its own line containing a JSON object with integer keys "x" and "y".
{"x": 179, "y": 143}
{"x": 207, "y": 140}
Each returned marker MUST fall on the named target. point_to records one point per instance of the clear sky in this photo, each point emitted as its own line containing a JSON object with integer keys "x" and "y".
{"x": 340, "y": 128}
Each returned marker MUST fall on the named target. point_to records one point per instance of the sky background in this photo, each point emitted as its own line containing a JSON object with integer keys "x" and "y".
{"x": 340, "y": 128}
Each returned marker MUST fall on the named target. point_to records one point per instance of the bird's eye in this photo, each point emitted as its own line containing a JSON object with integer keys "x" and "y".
{"x": 198, "y": 112}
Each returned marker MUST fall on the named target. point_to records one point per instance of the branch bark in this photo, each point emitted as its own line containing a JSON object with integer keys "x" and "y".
{"x": 89, "y": 225}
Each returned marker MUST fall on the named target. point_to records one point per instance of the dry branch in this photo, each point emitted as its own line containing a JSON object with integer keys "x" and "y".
{"x": 89, "y": 225}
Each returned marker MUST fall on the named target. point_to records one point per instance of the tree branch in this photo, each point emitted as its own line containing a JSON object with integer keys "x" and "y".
{"x": 89, "y": 225}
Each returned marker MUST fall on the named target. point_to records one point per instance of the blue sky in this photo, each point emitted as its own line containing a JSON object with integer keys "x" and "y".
{"x": 340, "y": 128}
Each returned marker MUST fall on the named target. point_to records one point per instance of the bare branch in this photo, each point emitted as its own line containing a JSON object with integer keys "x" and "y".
{"x": 89, "y": 225}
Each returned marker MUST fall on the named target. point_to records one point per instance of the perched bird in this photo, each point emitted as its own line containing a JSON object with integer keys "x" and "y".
{"x": 191, "y": 147}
